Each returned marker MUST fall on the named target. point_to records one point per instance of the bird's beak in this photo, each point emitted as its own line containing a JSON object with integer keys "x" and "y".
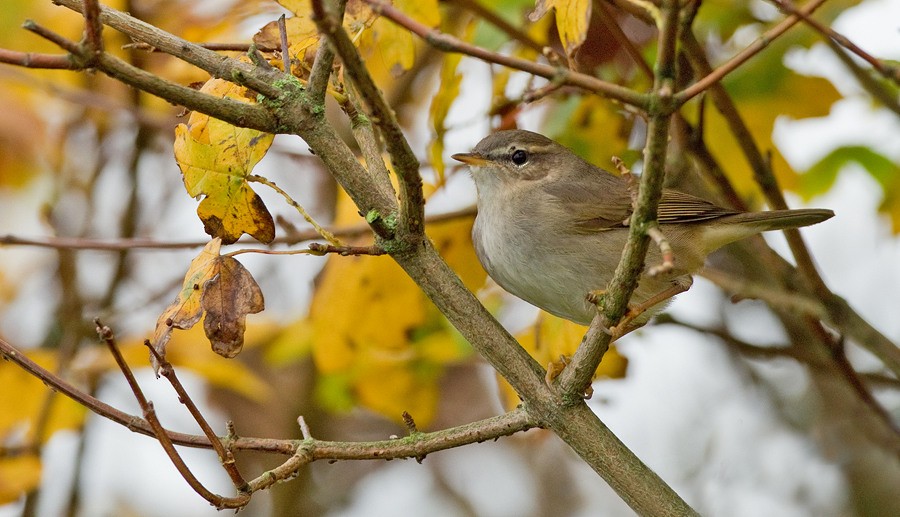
{"x": 471, "y": 159}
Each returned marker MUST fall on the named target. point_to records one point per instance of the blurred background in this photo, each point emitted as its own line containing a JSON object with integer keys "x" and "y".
{"x": 95, "y": 222}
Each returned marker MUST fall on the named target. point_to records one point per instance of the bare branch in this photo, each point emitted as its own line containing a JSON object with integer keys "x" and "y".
{"x": 216, "y": 500}
{"x": 714, "y": 76}
{"x": 36, "y": 60}
{"x": 448, "y": 43}
{"x": 225, "y": 455}
{"x": 406, "y": 165}
{"x": 889, "y": 72}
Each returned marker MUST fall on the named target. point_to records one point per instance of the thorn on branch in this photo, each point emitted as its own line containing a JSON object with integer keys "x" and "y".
{"x": 304, "y": 428}
{"x": 410, "y": 423}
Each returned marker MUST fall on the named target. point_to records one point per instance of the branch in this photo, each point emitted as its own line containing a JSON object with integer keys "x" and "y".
{"x": 613, "y": 304}
{"x": 448, "y": 43}
{"x": 81, "y": 243}
{"x": 406, "y": 165}
{"x": 714, "y": 76}
{"x": 220, "y": 502}
{"x": 889, "y": 72}
{"x": 36, "y": 60}
{"x": 839, "y": 312}
{"x": 225, "y": 455}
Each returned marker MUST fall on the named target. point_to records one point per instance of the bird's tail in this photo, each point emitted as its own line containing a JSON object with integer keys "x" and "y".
{"x": 734, "y": 227}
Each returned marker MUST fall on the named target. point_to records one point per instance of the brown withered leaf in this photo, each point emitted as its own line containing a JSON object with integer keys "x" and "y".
{"x": 227, "y": 299}
{"x": 219, "y": 286}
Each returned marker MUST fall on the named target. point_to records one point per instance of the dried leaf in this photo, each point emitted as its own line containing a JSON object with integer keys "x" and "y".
{"x": 227, "y": 299}
{"x": 219, "y": 286}
{"x": 215, "y": 159}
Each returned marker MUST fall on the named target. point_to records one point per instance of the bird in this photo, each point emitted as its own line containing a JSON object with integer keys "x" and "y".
{"x": 551, "y": 227}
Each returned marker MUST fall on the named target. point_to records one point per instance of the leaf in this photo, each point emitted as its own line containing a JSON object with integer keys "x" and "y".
{"x": 227, "y": 299}
{"x": 552, "y": 337}
{"x": 572, "y": 20}
{"x": 375, "y": 338}
{"x": 821, "y": 176}
{"x": 22, "y": 399}
{"x": 377, "y": 37}
{"x": 215, "y": 159}
{"x": 219, "y": 286}
{"x": 447, "y": 92}
{"x": 18, "y": 475}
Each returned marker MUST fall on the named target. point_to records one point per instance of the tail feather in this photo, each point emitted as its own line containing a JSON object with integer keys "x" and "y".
{"x": 734, "y": 227}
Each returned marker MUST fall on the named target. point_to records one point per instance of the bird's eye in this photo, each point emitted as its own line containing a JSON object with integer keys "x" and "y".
{"x": 519, "y": 157}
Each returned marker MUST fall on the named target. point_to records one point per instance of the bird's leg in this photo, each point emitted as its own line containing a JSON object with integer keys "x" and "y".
{"x": 554, "y": 368}
{"x": 665, "y": 249}
{"x": 626, "y": 325}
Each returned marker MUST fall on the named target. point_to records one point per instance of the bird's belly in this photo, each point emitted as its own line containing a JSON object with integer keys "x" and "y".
{"x": 556, "y": 277}
{"x": 548, "y": 276}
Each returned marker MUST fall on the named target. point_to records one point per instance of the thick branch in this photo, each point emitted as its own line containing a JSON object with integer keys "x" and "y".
{"x": 406, "y": 165}
{"x": 614, "y": 302}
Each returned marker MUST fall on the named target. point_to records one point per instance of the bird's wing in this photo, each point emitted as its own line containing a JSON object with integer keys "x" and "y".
{"x": 678, "y": 207}
{"x": 601, "y": 202}
{"x": 596, "y": 202}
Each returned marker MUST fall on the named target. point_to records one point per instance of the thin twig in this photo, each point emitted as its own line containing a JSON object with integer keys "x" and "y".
{"x": 47, "y": 34}
{"x": 487, "y": 429}
{"x": 323, "y": 249}
{"x": 714, "y": 76}
{"x": 497, "y": 21}
{"x": 162, "y": 436}
{"x": 37, "y": 60}
{"x": 889, "y": 72}
{"x": 81, "y": 243}
{"x": 883, "y": 94}
{"x": 328, "y": 236}
{"x": 448, "y": 43}
{"x": 225, "y": 456}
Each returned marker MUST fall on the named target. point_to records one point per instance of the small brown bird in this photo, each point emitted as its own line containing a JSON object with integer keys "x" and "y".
{"x": 551, "y": 227}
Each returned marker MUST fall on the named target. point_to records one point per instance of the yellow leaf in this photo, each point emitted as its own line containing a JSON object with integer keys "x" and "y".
{"x": 215, "y": 159}
{"x": 393, "y": 47}
{"x": 375, "y": 337}
{"x": 551, "y": 338}
{"x": 18, "y": 475}
{"x": 447, "y": 92}
{"x": 572, "y": 19}
{"x": 23, "y": 396}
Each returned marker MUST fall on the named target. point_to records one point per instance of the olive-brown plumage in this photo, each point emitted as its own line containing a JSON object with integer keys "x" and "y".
{"x": 551, "y": 227}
